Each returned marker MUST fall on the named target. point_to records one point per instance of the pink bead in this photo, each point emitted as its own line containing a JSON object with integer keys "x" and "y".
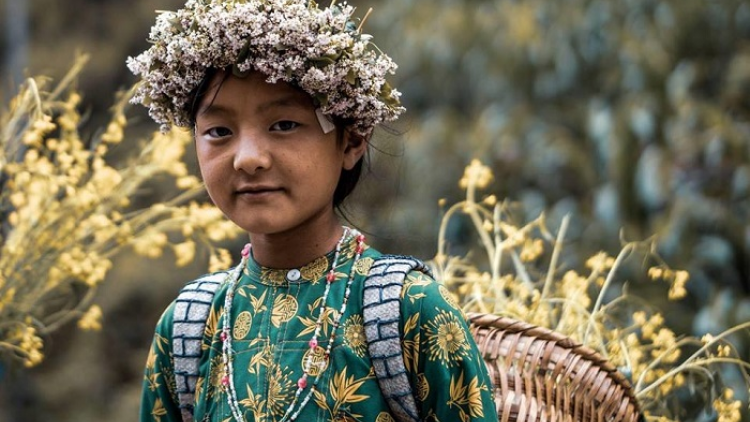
{"x": 246, "y": 250}
{"x": 224, "y": 336}
{"x": 360, "y": 249}
{"x": 302, "y": 382}
{"x": 225, "y": 381}
{"x": 361, "y": 238}
{"x": 330, "y": 277}
{"x": 313, "y": 343}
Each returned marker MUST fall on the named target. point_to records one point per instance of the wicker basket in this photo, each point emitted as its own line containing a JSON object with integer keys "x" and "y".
{"x": 542, "y": 376}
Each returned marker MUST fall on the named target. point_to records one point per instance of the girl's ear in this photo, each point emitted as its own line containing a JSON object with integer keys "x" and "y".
{"x": 356, "y": 146}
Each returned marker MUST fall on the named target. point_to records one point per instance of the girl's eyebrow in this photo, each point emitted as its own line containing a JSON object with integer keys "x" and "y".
{"x": 286, "y": 101}
{"x": 290, "y": 100}
{"x": 214, "y": 109}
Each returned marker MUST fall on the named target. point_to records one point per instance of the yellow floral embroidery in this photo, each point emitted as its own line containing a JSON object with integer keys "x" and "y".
{"x": 161, "y": 342}
{"x": 446, "y": 338}
{"x": 215, "y": 375}
{"x": 158, "y": 410}
{"x": 384, "y": 417}
{"x": 319, "y": 362}
{"x": 354, "y": 335}
{"x": 423, "y": 387}
{"x": 264, "y": 358}
{"x": 151, "y": 359}
{"x": 448, "y": 297}
{"x": 419, "y": 280}
{"x": 342, "y": 390}
{"x": 255, "y": 403}
{"x": 411, "y": 347}
{"x": 258, "y": 303}
{"x": 315, "y": 270}
{"x": 284, "y": 309}
{"x": 462, "y": 395}
{"x": 211, "y": 326}
{"x": 153, "y": 380}
{"x": 245, "y": 290}
{"x": 280, "y": 390}
{"x": 242, "y": 325}
{"x": 309, "y": 322}
{"x": 273, "y": 277}
{"x": 199, "y": 386}
{"x": 362, "y": 267}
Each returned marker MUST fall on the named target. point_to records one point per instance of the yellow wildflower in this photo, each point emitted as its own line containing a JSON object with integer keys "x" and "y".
{"x": 532, "y": 249}
{"x": 655, "y": 272}
{"x": 677, "y": 289}
{"x": 91, "y": 319}
{"x": 150, "y": 244}
{"x": 600, "y": 262}
{"x": 476, "y": 174}
{"x": 728, "y": 409}
{"x": 220, "y": 260}
{"x": 184, "y": 253}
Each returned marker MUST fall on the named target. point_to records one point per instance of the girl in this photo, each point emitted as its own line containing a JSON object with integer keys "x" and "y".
{"x": 283, "y": 97}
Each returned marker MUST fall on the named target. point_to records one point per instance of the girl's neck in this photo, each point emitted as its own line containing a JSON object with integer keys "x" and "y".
{"x": 295, "y": 248}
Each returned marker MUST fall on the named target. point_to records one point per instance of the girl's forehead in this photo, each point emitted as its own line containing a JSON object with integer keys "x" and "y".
{"x": 254, "y": 91}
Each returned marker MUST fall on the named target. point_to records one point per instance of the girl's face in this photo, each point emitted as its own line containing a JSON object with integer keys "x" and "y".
{"x": 264, "y": 158}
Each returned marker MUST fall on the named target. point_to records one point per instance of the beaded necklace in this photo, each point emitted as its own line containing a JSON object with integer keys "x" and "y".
{"x": 226, "y": 337}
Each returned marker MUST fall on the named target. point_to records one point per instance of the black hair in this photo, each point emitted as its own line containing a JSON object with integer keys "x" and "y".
{"x": 348, "y": 179}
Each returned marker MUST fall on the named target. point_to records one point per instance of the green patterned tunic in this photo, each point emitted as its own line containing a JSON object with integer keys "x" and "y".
{"x": 273, "y": 320}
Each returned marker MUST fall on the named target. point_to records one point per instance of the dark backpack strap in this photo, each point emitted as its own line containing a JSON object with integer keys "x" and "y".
{"x": 381, "y": 310}
{"x": 191, "y": 311}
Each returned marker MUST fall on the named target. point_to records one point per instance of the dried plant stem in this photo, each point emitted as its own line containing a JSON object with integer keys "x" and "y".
{"x": 555, "y": 257}
{"x": 364, "y": 19}
{"x": 626, "y": 250}
{"x": 471, "y": 209}
{"x": 497, "y": 284}
{"x": 692, "y": 361}
{"x": 78, "y": 64}
{"x": 444, "y": 227}
{"x": 70, "y": 314}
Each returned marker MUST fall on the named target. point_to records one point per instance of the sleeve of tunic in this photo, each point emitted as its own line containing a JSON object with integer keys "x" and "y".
{"x": 447, "y": 373}
{"x": 159, "y": 401}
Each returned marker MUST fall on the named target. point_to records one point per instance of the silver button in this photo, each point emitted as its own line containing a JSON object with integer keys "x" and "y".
{"x": 293, "y": 275}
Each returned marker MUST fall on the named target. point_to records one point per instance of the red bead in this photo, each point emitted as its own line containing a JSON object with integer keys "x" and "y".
{"x": 246, "y": 250}
{"x": 361, "y": 238}
{"x": 302, "y": 382}
{"x": 313, "y": 343}
{"x": 330, "y": 277}
{"x": 360, "y": 249}
{"x": 224, "y": 336}
{"x": 225, "y": 381}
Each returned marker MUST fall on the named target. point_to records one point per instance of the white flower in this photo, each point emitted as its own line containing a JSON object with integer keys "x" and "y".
{"x": 319, "y": 50}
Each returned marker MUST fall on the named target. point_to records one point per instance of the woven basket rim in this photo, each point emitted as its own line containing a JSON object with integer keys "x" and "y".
{"x": 514, "y": 326}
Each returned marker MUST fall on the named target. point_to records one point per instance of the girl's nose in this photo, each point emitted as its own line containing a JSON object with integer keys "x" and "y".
{"x": 251, "y": 155}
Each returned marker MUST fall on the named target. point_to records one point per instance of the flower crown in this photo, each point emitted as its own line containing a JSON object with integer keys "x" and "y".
{"x": 321, "y": 51}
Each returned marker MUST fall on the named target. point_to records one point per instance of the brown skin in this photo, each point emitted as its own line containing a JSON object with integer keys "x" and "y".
{"x": 270, "y": 168}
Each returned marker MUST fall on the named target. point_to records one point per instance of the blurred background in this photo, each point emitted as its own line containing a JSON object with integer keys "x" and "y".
{"x": 631, "y": 116}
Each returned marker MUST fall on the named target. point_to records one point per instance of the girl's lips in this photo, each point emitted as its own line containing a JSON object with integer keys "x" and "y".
{"x": 257, "y": 191}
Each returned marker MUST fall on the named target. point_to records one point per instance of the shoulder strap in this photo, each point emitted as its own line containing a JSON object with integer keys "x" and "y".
{"x": 191, "y": 310}
{"x": 381, "y": 310}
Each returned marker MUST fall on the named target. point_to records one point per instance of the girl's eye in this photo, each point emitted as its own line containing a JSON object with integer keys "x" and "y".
{"x": 284, "y": 125}
{"x": 218, "y": 132}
